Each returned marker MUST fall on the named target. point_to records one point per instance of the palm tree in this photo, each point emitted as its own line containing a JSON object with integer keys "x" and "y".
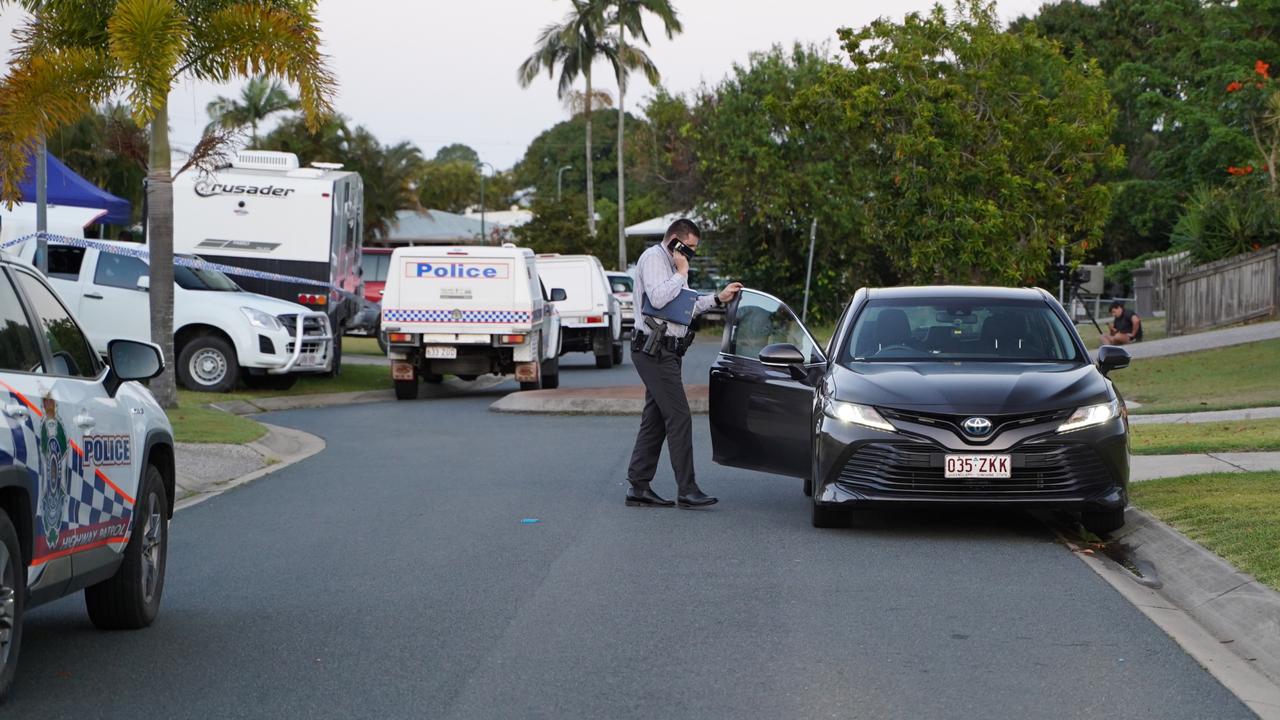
{"x": 629, "y": 14}
{"x": 261, "y": 98}
{"x": 73, "y": 54}
{"x": 571, "y": 47}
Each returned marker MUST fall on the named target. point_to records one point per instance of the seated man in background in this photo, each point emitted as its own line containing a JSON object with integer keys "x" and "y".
{"x": 1126, "y": 327}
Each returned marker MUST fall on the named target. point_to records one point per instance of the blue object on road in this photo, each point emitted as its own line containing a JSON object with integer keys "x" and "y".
{"x": 530, "y": 521}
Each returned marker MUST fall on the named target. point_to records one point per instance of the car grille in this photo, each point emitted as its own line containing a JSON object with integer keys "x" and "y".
{"x": 999, "y": 423}
{"x": 915, "y": 470}
{"x": 311, "y": 326}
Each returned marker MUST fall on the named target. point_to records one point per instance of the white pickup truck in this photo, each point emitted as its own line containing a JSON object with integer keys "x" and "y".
{"x": 589, "y": 313}
{"x": 469, "y": 311}
{"x": 221, "y": 333}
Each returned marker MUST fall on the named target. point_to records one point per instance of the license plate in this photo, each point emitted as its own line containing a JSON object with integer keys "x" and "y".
{"x": 309, "y": 360}
{"x": 440, "y": 352}
{"x": 977, "y": 466}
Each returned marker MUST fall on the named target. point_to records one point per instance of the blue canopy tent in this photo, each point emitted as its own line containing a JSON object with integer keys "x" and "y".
{"x": 68, "y": 188}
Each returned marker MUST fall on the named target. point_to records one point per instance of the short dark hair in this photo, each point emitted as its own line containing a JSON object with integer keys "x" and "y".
{"x": 682, "y": 228}
{"x": 1117, "y": 304}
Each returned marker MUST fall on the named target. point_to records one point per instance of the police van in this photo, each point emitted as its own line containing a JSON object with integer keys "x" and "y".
{"x": 86, "y": 468}
{"x": 264, "y": 212}
{"x": 469, "y": 311}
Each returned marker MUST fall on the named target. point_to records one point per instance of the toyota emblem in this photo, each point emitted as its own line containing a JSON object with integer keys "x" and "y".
{"x": 976, "y": 426}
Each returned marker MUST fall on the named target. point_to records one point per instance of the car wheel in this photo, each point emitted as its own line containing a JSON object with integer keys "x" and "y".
{"x": 604, "y": 362}
{"x": 130, "y": 599}
{"x": 13, "y": 597}
{"x": 270, "y": 382}
{"x": 208, "y": 363}
{"x": 551, "y": 374}
{"x": 382, "y": 339}
{"x": 808, "y": 487}
{"x": 1102, "y": 522}
{"x": 618, "y": 357}
{"x": 828, "y": 517}
{"x": 407, "y": 389}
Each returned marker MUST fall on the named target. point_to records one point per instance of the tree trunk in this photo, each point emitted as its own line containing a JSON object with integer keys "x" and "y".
{"x": 160, "y": 245}
{"x": 622, "y": 184}
{"x": 591, "y": 186}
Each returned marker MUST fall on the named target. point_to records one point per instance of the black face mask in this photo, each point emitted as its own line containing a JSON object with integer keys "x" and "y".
{"x": 685, "y": 250}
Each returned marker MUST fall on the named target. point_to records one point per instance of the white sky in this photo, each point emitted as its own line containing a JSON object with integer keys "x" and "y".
{"x": 436, "y": 72}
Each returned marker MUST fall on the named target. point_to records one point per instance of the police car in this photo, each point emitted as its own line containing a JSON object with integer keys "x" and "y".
{"x": 86, "y": 467}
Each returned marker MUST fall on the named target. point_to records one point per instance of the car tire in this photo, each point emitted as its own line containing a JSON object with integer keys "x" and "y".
{"x": 551, "y": 374}
{"x": 604, "y": 362}
{"x": 270, "y": 382}
{"x": 808, "y": 487}
{"x": 13, "y": 600}
{"x": 407, "y": 389}
{"x": 382, "y": 339}
{"x": 208, "y": 363}
{"x": 130, "y": 599}
{"x": 1103, "y": 521}
{"x": 618, "y": 355}
{"x": 828, "y": 517}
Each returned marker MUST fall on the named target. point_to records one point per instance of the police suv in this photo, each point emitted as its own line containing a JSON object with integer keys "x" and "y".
{"x": 86, "y": 467}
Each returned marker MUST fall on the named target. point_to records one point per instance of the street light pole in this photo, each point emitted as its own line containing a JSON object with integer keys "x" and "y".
{"x": 481, "y": 165}
{"x": 560, "y": 180}
{"x": 42, "y": 207}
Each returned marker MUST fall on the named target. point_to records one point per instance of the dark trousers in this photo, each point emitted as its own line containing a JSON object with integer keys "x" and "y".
{"x": 666, "y": 416}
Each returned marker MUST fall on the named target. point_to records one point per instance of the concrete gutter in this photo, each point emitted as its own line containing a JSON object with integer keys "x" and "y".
{"x": 206, "y": 471}
{"x": 1152, "y": 467}
{"x": 302, "y": 402}
{"x": 620, "y": 400}
{"x": 1225, "y": 619}
{"x": 1262, "y": 413}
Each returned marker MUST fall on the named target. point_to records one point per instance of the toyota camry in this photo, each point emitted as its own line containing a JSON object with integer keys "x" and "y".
{"x": 925, "y": 395}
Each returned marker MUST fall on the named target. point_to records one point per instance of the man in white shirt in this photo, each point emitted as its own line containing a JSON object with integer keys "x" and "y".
{"x": 661, "y": 273}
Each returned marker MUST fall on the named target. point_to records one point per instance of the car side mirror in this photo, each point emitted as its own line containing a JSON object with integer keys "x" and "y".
{"x": 1112, "y": 357}
{"x": 782, "y": 355}
{"x": 144, "y": 283}
{"x": 558, "y": 295}
{"x": 133, "y": 360}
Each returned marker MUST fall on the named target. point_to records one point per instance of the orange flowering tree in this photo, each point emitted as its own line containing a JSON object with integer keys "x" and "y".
{"x": 1253, "y": 103}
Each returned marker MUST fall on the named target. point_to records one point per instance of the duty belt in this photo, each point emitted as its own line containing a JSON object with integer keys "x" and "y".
{"x": 679, "y": 346}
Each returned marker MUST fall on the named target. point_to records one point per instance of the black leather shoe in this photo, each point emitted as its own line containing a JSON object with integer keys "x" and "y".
{"x": 646, "y": 498}
{"x": 697, "y": 499}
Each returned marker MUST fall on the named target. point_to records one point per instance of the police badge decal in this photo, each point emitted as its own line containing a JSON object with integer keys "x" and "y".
{"x": 55, "y": 472}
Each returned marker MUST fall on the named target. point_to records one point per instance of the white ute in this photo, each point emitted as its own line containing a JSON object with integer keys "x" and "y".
{"x": 469, "y": 311}
{"x": 221, "y": 333}
{"x": 590, "y": 314}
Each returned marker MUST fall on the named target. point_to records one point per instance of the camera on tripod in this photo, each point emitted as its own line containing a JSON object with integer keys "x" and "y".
{"x": 1085, "y": 279}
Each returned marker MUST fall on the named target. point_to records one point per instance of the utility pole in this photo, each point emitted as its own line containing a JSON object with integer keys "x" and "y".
{"x": 484, "y": 237}
{"x": 813, "y": 236}
{"x": 560, "y": 180}
{"x": 42, "y": 206}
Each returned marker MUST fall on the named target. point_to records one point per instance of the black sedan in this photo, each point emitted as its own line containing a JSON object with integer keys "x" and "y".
{"x": 960, "y": 395}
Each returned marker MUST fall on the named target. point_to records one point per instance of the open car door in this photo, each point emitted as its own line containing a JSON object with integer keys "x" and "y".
{"x": 761, "y": 414}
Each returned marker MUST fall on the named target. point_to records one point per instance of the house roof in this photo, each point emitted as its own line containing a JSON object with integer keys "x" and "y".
{"x": 433, "y": 227}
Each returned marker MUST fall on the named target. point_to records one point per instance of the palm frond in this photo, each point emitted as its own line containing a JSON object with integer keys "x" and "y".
{"x": 147, "y": 39}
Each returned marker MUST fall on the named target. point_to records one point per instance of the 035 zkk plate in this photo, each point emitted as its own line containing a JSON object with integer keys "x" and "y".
{"x": 440, "y": 352}
{"x": 978, "y": 466}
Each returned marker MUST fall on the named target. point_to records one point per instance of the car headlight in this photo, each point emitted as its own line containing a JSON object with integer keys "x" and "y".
{"x": 259, "y": 319}
{"x": 1091, "y": 415}
{"x": 855, "y": 414}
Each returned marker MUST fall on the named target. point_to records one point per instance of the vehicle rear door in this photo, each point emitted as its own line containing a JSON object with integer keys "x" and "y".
{"x": 761, "y": 414}
{"x": 112, "y": 304}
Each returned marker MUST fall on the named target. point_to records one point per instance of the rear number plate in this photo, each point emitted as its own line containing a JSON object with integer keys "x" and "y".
{"x": 440, "y": 352}
{"x": 977, "y": 466}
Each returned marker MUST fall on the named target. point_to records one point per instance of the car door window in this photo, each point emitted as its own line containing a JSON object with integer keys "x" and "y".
{"x": 64, "y": 261}
{"x": 68, "y": 346}
{"x": 761, "y": 320}
{"x": 119, "y": 271}
{"x": 19, "y": 350}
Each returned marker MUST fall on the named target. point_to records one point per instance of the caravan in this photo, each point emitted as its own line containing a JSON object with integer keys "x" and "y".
{"x": 265, "y": 213}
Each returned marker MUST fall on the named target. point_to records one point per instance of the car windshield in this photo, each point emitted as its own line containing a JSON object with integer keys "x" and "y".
{"x": 953, "y": 329}
{"x": 203, "y": 279}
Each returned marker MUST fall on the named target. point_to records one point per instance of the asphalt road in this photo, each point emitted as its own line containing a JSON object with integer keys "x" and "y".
{"x": 392, "y": 576}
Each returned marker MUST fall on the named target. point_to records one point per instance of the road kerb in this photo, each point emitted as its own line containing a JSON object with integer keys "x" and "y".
{"x": 1191, "y": 607}
{"x": 280, "y": 447}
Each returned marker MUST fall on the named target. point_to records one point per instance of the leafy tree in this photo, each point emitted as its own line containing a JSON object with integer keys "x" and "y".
{"x": 665, "y": 155}
{"x": 108, "y": 149}
{"x": 75, "y": 54}
{"x": 451, "y": 186}
{"x": 572, "y": 47}
{"x": 457, "y": 152}
{"x": 327, "y": 142}
{"x": 629, "y": 16}
{"x": 261, "y": 98}
{"x": 973, "y": 152}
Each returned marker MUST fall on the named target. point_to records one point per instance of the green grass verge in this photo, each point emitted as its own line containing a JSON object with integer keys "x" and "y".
{"x": 1241, "y": 376}
{"x": 1234, "y": 515}
{"x": 361, "y": 346}
{"x": 1152, "y": 329}
{"x": 194, "y": 424}
{"x": 1231, "y": 436}
{"x": 354, "y": 378}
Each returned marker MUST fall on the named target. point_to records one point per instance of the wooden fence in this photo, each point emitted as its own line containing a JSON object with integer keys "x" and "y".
{"x": 1162, "y": 269}
{"x": 1233, "y": 290}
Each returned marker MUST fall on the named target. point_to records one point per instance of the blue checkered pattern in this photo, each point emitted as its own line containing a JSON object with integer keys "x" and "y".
{"x": 92, "y": 501}
{"x": 446, "y": 316}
